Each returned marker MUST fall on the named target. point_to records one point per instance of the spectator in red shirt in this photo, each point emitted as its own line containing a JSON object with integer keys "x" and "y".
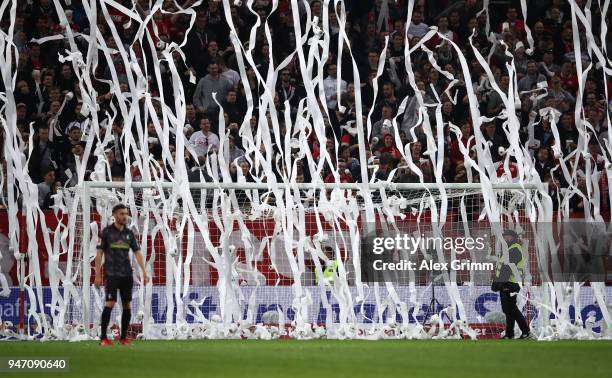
{"x": 568, "y": 77}
{"x": 515, "y": 25}
{"x": 466, "y": 140}
{"x": 343, "y": 172}
{"x": 389, "y": 147}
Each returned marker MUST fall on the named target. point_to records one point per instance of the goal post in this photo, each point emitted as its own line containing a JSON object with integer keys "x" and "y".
{"x": 257, "y": 247}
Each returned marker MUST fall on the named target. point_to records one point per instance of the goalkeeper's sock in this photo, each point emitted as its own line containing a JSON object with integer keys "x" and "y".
{"x": 106, "y": 313}
{"x": 126, "y": 315}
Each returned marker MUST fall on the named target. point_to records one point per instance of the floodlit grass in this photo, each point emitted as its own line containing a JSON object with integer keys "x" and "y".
{"x": 325, "y": 358}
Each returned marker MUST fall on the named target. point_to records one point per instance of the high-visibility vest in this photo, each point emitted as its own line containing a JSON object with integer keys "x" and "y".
{"x": 329, "y": 273}
{"x": 520, "y": 266}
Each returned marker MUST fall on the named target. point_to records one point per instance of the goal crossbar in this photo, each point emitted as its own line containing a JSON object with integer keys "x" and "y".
{"x": 307, "y": 186}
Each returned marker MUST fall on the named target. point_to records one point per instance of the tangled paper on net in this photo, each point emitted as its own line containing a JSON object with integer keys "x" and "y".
{"x": 138, "y": 89}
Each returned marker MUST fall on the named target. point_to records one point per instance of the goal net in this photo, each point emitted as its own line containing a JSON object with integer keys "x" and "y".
{"x": 252, "y": 260}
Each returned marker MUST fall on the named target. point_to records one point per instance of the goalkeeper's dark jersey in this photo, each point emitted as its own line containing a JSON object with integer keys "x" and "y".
{"x": 116, "y": 245}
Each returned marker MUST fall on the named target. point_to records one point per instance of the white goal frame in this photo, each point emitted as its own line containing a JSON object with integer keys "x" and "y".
{"x": 88, "y": 186}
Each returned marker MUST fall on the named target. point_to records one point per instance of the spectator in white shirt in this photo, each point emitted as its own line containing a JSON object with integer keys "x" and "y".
{"x": 330, "y": 87}
{"x": 204, "y": 141}
{"x": 80, "y": 121}
{"x": 417, "y": 27}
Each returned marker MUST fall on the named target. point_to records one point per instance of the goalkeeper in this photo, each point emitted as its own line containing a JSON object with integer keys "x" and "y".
{"x": 116, "y": 240}
{"x": 330, "y": 268}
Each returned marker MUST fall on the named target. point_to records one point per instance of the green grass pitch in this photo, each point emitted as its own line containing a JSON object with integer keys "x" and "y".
{"x": 324, "y": 358}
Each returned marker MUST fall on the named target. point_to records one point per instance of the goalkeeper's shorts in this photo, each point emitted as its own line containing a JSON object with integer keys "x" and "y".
{"x": 122, "y": 284}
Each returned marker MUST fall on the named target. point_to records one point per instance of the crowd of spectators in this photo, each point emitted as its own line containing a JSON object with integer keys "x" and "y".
{"x": 48, "y": 92}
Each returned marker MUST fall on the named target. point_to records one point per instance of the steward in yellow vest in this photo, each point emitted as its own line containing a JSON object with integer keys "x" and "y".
{"x": 507, "y": 283}
{"x": 329, "y": 272}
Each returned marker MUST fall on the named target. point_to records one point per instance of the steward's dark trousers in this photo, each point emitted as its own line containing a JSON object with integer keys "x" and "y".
{"x": 513, "y": 314}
